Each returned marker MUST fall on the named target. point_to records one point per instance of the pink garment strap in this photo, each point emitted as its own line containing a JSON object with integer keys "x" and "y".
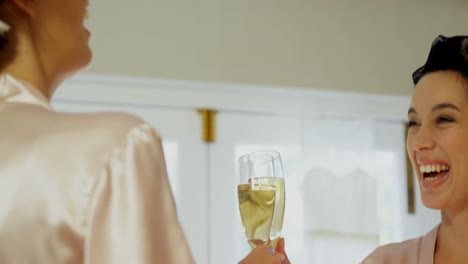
{"x": 426, "y": 252}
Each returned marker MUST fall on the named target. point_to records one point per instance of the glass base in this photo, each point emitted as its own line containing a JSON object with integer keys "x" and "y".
{"x": 257, "y": 242}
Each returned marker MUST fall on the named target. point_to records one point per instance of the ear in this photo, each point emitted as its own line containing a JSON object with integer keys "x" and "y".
{"x": 28, "y": 7}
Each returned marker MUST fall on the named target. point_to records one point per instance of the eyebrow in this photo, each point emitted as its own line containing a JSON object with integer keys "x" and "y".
{"x": 437, "y": 107}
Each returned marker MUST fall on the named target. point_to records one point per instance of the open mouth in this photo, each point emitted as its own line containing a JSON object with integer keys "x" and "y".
{"x": 434, "y": 172}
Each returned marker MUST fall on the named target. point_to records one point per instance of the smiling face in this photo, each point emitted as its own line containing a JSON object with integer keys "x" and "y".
{"x": 438, "y": 139}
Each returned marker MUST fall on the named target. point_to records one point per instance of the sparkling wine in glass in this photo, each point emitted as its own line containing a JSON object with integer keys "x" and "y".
{"x": 261, "y": 196}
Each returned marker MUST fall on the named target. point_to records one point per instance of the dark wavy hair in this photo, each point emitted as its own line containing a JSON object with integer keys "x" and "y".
{"x": 447, "y": 53}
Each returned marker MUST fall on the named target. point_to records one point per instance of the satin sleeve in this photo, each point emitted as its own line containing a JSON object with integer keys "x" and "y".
{"x": 132, "y": 216}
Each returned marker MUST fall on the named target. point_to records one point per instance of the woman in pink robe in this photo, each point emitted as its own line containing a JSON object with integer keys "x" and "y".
{"x": 76, "y": 188}
{"x": 437, "y": 144}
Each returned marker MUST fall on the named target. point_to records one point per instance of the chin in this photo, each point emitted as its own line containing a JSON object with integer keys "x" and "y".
{"x": 71, "y": 67}
{"x": 82, "y": 60}
{"x": 87, "y": 57}
{"x": 435, "y": 202}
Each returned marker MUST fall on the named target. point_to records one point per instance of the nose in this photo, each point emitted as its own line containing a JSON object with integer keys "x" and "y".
{"x": 422, "y": 139}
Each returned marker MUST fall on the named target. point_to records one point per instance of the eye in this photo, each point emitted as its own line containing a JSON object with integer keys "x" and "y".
{"x": 444, "y": 119}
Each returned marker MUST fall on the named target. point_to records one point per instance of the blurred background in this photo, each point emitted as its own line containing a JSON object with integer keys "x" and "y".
{"x": 326, "y": 83}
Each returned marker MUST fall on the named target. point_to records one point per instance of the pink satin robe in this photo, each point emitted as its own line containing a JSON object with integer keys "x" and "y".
{"x": 414, "y": 251}
{"x": 82, "y": 188}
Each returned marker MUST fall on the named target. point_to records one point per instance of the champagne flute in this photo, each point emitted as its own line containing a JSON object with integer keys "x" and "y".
{"x": 261, "y": 196}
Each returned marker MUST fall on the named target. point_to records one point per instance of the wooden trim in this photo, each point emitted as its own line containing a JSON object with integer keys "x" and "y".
{"x": 411, "y": 203}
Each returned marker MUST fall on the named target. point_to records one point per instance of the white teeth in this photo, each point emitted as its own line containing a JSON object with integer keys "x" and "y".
{"x": 433, "y": 168}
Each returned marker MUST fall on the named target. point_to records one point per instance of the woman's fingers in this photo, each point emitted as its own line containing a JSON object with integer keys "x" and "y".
{"x": 280, "y": 245}
{"x": 264, "y": 254}
{"x": 280, "y": 249}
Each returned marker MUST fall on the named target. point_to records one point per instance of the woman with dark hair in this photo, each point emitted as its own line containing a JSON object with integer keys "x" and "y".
{"x": 437, "y": 145}
{"x": 76, "y": 188}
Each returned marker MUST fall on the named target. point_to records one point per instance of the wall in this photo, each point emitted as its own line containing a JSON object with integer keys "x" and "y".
{"x": 363, "y": 45}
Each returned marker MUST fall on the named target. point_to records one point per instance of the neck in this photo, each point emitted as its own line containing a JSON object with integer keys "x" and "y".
{"x": 22, "y": 59}
{"x": 452, "y": 239}
{"x": 37, "y": 79}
